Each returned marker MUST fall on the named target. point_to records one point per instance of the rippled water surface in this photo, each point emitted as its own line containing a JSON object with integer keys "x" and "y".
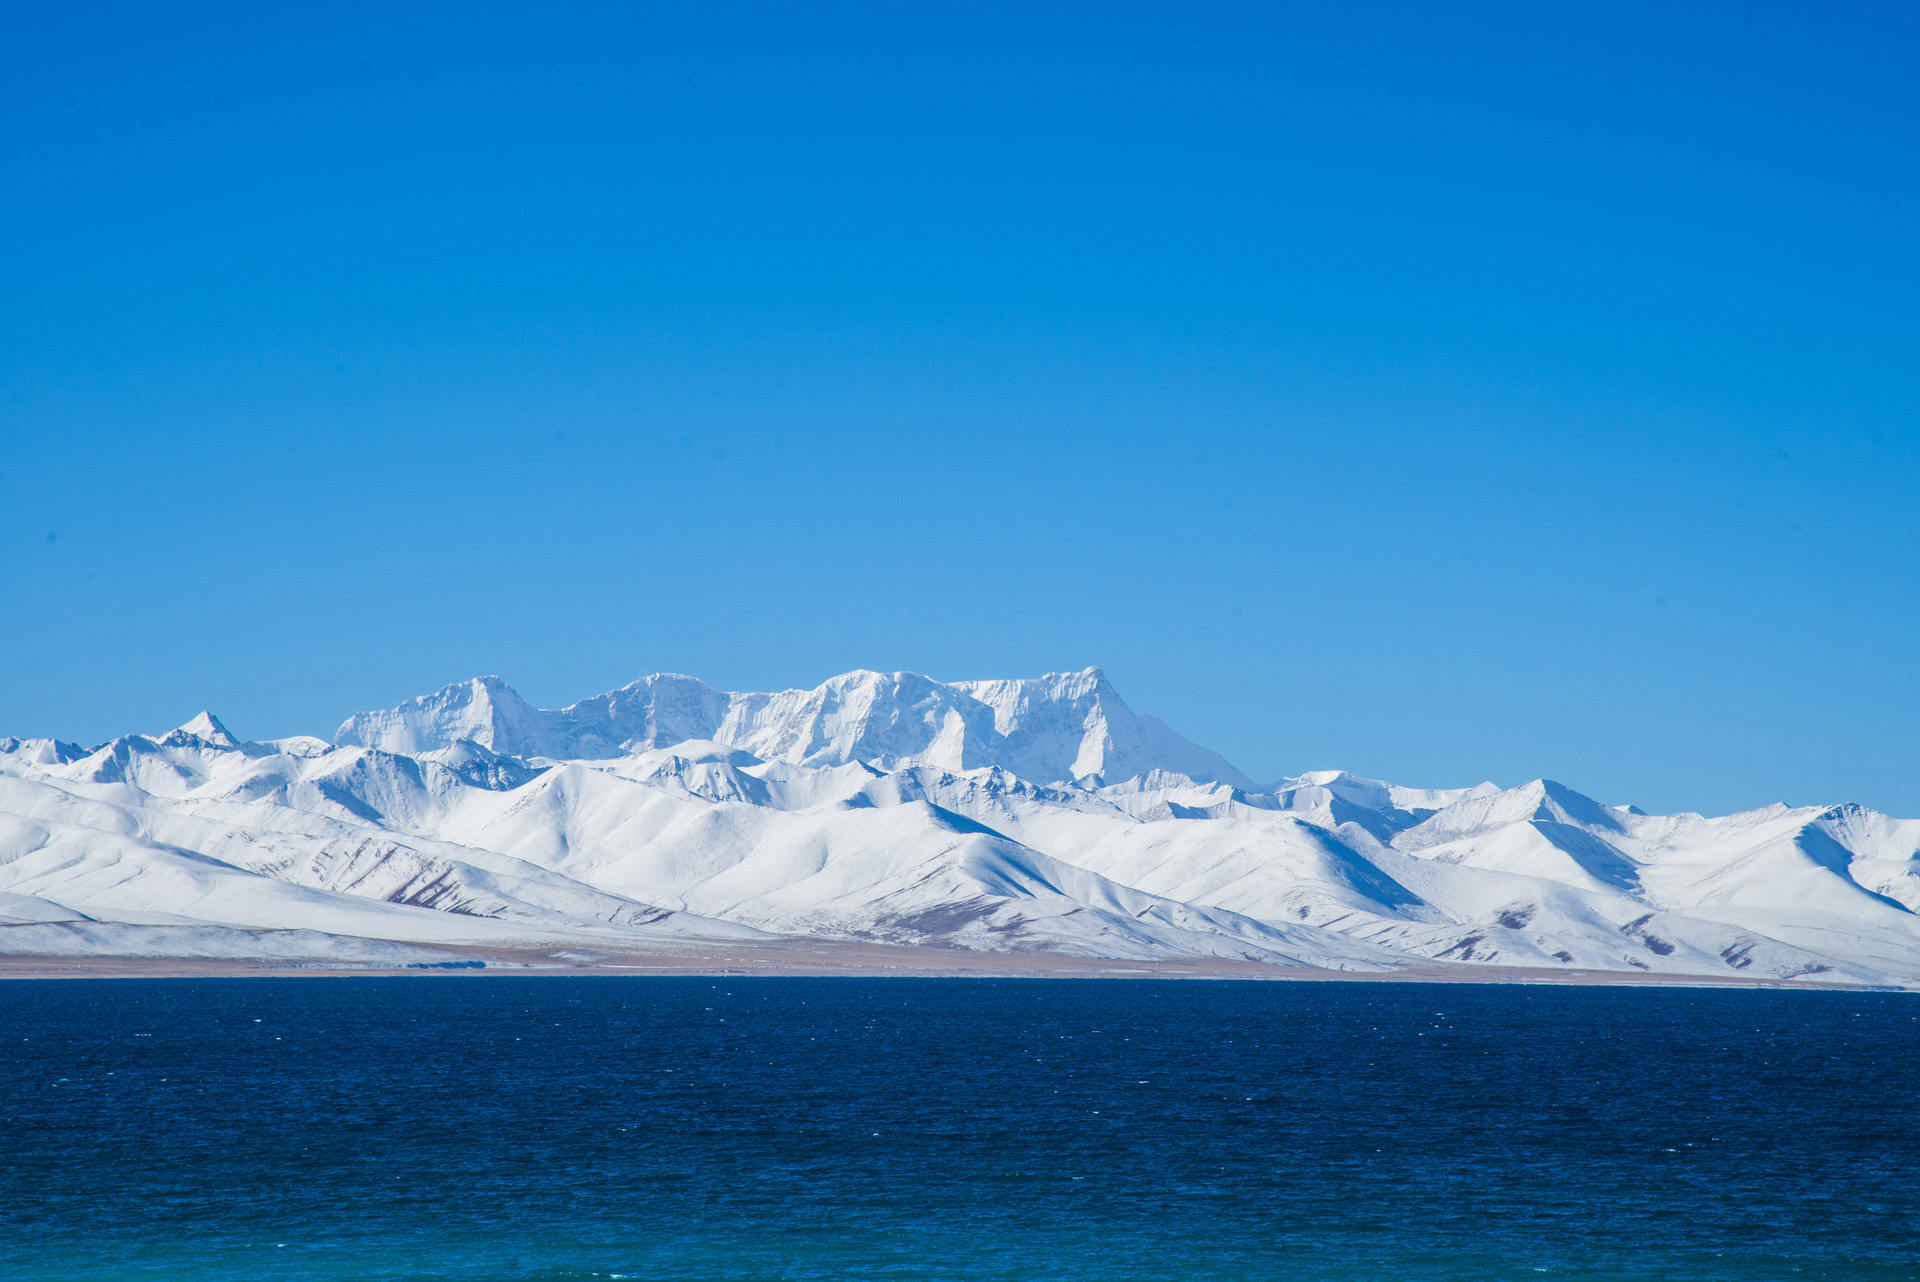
{"x": 522, "y": 1128}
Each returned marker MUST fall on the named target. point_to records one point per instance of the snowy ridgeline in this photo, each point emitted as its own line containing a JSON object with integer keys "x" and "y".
{"x": 1009, "y": 816}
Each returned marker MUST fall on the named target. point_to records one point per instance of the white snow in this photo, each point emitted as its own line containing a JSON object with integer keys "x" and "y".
{"x": 1010, "y": 816}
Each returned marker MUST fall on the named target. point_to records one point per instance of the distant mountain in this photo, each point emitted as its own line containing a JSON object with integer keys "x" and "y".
{"x": 1057, "y": 728}
{"x": 1029, "y": 816}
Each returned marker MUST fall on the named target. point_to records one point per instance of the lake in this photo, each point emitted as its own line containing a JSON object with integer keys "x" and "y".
{"x": 550, "y": 1129}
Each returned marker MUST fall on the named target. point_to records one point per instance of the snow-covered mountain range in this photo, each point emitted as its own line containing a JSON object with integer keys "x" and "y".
{"x": 1025, "y": 816}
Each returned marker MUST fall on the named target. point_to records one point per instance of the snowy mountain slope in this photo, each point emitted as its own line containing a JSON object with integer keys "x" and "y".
{"x": 234, "y": 837}
{"x": 244, "y": 836}
{"x": 1515, "y": 898}
{"x": 1009, "y": 816}
{"x": 906, "y": 873}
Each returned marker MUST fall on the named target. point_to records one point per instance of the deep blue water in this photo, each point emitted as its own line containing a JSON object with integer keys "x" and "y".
{"x": 483, "y": 1128}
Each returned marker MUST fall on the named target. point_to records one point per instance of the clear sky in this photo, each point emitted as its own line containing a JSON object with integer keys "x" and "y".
{"x": 1441, "y": 392}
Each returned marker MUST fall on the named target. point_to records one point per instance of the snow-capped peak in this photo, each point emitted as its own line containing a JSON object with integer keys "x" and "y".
{"x": 1050, "y": 729}
{"x": 205, "y": 728}
{"x": 485, "y": 710}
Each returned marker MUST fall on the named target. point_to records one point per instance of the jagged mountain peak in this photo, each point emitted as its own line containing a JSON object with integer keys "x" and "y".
{"x": 41, "y": 751}
{"x": 1054, "y": 728}
{"x": 485, "y": 710}
{"x": 1536, "y": 801}
{"x": 651, "y": 681}
{"x": 204, "y": 728}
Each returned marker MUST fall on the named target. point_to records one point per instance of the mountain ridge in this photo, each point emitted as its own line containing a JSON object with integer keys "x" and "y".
{"x": 1053, "y": 728}
{"x": 1027, "y": 816}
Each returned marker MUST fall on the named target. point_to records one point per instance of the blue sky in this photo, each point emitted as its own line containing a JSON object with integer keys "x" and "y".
{"x": 1439, "y": 392}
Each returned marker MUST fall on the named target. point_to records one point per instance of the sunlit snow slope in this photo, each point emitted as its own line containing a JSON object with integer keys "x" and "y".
{"x": 1038, "y": 815}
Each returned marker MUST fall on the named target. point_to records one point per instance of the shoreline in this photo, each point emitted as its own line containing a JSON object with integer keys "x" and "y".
{"x": 851, "y": 961}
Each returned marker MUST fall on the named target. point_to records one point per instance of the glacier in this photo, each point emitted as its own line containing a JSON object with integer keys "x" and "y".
{"x": 1018, "y": 818}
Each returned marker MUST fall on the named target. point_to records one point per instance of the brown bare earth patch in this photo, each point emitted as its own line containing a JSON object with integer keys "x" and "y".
{"x": 830, "y": 958}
